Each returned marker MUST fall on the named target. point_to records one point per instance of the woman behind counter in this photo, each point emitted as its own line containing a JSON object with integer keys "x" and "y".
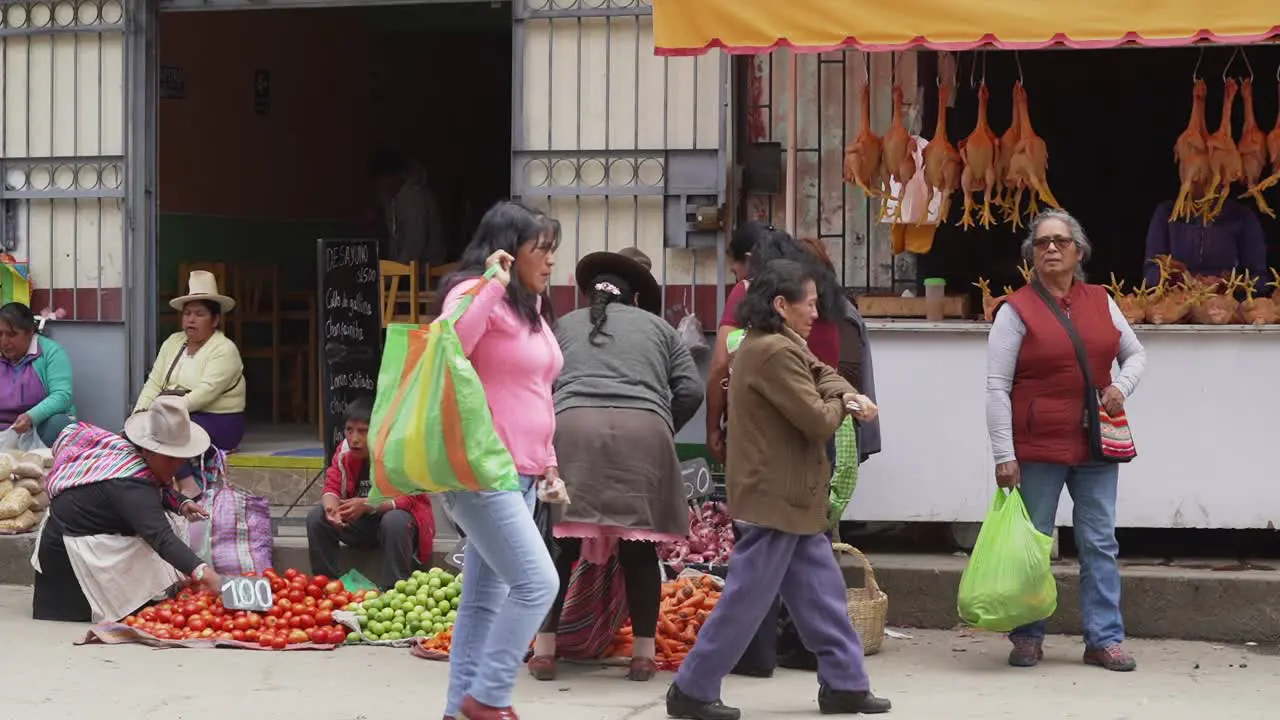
{"x": 35, "y": 385}
{"x": 627, "y": 387}
{"x": 1233, "y": 241}
{"x": 1035, "y": 402}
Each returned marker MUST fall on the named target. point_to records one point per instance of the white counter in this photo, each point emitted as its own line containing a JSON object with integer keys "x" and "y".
{"x": 1204, "y": 419}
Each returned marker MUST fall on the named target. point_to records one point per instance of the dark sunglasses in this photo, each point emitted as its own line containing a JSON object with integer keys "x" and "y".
{"x": 1062, "y": 243}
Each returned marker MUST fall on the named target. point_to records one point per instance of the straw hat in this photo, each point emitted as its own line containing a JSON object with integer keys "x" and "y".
{"x": 202, "y": 285}
{"x": 631, "y": 265}
{"x": 166, "y": 428}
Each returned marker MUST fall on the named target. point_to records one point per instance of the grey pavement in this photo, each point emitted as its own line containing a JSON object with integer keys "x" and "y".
{"x": 937, "y": 674}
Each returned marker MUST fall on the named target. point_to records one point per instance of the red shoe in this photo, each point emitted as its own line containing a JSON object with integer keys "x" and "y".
{"x": 542, "y": 667}
{"x": 473, "y": 710}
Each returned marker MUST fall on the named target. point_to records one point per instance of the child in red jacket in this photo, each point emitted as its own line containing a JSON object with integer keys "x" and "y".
{"x": 403, "y": 528}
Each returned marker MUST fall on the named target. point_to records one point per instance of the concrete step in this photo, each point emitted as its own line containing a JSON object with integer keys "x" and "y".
{"x": 1190, "y": 603}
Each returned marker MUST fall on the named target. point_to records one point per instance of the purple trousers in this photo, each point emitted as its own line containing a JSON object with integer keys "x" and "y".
{"x": 226, "y": 430}
{"x": 804, "y": 570}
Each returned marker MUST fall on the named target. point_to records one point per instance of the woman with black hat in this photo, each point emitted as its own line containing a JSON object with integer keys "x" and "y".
{"x": 627, "y": 386}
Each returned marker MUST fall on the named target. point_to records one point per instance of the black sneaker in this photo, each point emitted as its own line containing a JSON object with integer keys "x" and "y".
{"x": 680, "y": 705}
{"x": 754, "y": 671}
{"x": 850, "y": 702}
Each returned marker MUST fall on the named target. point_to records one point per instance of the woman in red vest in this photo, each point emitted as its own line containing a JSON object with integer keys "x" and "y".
{"x": 1036, "y": 413}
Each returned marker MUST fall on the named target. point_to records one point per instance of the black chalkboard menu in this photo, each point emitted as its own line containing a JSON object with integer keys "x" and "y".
{"x": 350, "y": 329}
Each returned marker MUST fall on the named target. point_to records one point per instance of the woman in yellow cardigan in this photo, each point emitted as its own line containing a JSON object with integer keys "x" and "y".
{"x": 202, "y": 364}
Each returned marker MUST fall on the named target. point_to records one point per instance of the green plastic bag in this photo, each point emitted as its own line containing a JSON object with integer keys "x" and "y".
{"x": 1008, "y": 582}
{"x": 844, "y": 477}
{"x": 431, "y": 429}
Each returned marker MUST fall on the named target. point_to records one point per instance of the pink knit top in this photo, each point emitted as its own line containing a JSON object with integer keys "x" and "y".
{"x": 517, "y": 367}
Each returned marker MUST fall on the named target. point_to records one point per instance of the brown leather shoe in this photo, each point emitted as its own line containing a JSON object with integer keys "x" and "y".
{"x": 642, "y": 669}
{"x": 1111, "y": 657}
{"x": 1026, "y": 653}
{"x": 542, "y": 667}
{"x": 473, "y": 710}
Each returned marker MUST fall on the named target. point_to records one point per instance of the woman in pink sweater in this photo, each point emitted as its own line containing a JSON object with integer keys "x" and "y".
{"x": 509, "y": 580}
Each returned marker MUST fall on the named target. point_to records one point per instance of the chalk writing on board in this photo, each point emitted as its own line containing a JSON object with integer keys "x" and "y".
{"x": 338, "y": 300}
{"x": 346, "y": 255}
{"x": 350, "y": 328}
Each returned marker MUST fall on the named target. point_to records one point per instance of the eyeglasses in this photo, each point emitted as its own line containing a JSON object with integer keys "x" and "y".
{"x": 1060, "y": 242}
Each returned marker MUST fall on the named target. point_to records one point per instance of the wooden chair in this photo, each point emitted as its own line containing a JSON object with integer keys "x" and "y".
{"x": 258, "y": 304}
{"x": 393, "y": 274}
{"x": 435, "y": 274}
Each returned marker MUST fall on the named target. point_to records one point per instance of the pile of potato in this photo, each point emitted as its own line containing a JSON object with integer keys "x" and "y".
{"x": 22, "y": 495}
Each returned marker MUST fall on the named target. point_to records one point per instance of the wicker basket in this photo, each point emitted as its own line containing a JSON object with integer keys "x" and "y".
{"x": 868, "y": 606}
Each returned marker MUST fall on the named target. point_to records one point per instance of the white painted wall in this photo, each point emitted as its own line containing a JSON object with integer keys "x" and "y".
{"x": 1203, "y": 418}
{"x": 63, "y": 96}
{"x": 595, "y": 84}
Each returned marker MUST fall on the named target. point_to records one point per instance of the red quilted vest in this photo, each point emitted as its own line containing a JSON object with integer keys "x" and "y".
{"x": 1048, "y": 387}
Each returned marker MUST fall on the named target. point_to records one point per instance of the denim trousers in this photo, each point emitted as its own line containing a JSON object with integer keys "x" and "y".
{"x": 508, "y": 585}
{"x": 1093, "y": 493}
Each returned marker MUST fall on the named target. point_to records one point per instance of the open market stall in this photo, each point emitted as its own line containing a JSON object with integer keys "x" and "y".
{"x": 1106, "y": 110}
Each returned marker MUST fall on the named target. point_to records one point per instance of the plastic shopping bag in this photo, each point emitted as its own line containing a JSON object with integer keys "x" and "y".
{"x": 431, "y": 429}
{"x": 1008, "y": 582}
{"x": 844, "y": 476}
{"x": 12, "y": 440}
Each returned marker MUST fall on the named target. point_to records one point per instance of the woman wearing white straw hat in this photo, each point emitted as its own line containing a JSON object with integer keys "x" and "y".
{"x": 202, "y": 364}
{"x": 108, "y": 546}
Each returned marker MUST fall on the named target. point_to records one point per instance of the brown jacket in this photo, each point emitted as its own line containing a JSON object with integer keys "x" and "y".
{"x": 783, "y": 407}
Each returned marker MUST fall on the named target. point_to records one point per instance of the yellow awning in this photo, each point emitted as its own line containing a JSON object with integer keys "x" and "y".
{"x": 691, "y": 27}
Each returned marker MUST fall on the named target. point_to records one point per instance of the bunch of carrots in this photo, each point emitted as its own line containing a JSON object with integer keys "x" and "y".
{"x": 441, "y": 641}
{"x": 687, "y": 602}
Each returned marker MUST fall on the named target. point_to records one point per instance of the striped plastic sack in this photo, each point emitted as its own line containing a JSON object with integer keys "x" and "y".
{"x": 431, "y": 429}
{"x": 239, "y": 531}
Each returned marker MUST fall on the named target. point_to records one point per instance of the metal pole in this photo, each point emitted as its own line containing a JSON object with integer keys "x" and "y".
{"x": 793, "y": 104}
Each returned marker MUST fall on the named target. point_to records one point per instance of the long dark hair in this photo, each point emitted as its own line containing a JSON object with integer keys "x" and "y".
{"x": 747, "y": 236}
{"x": 781, "y": 246}
{"x": 780, "y": 277}
{"x": 603, "y": 295}
{"x": 507, "y": 226}
{"x": 18, "y": 316}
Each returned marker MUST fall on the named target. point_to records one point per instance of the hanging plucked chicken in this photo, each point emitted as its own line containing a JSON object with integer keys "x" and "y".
{"x": 942, "y": 164}
{"x": 1273, "y": 149}
{"x": 978, "y": 152}
{"x": 1004, "y": 155}
{"x": 863, "y": 158}
{"x": 898, "y": 154}
{"x": 1191, "y": 151}
{"x": 1253, "y": 149}
{"x": 1029, "y": 163}
{"x": 1225, "y": 165}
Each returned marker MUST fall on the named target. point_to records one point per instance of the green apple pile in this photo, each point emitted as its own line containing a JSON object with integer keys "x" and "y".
{"x": 423, "y": 605}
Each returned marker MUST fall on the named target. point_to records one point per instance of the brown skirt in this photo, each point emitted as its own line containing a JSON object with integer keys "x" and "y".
{"x": 621, "y": 469}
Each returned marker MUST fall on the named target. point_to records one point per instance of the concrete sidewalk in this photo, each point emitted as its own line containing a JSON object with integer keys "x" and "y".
{"x": 1190, "y": 602}
{"x": 938, "y": 674}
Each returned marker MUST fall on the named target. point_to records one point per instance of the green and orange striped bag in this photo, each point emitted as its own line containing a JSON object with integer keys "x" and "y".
{"x": 431, "y": 429}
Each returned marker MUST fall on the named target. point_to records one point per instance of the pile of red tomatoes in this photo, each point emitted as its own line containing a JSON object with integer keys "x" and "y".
{"x": 302, "y": 613}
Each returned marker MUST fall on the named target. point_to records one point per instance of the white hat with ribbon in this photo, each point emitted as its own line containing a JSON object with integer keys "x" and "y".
{"x": 202, "y": 285}
{"x": 166, "y": 428}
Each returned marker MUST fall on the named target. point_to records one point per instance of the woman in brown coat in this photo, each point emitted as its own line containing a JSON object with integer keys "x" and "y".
{"x": 783, "y": 407}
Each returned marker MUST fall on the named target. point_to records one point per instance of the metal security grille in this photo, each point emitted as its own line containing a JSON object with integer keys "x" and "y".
{"x": 829, "y": 90}
{"x": 62, "y": 151}
{"x": 623, "y": 147}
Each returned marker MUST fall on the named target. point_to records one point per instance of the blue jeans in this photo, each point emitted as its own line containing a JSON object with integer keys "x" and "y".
{"x": 1093, "y": 492}
{"x": 508, "y": 585}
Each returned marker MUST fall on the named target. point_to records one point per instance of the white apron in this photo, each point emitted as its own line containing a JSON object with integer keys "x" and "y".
{"x": 117, "y": 574}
